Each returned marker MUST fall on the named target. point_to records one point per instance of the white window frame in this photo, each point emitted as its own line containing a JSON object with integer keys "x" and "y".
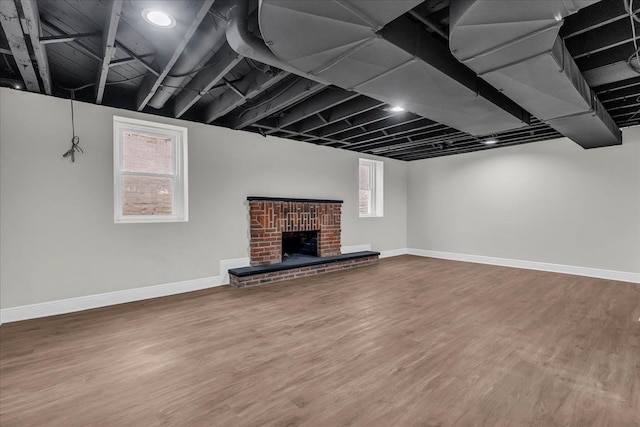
{"x": 179, "y": 137}
{"x": 376, "y": 184}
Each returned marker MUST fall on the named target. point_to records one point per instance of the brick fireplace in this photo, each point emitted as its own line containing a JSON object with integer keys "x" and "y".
{"x": 310, "y": 226}
{"x": 270, "y": 217}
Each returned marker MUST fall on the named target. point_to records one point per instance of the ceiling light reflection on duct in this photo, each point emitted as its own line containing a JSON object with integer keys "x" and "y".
{"x": 158, "y": 18}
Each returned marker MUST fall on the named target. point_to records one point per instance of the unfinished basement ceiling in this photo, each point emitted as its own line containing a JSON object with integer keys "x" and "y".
{"x": 322, "y": 79}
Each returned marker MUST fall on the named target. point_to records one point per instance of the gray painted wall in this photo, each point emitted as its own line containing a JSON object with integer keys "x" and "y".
{"x": 550, "y": 202}
{"x": 58, "y": 239}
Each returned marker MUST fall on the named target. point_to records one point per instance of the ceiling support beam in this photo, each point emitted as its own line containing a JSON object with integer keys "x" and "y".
{"x": 390, "y": 135}
{"x": 151, "y": 84}
{"x": 329, "y": 98}
{"x": 609, "y": 37}
{"x": 434, "y": 130}
{"x": 419, "y": 152}
{"x": 90, "y": 53}
{"x": 124, "y": 61}
{"x": 225, "y": 59}
{"x": 32, "y": 16}
{"x": 594, "y": 17}
{"x": 108, "y": 45}
{"x": 252, "y": 85}
{"x": 342, "y": 112}
{"x": 296, "y": 91}
{"x": 77, "y": 43}
{"x": 270, "y": 129}
{"x": 427, "y": 23}
{"x": 66, "y": 38}
{"x": 388, "y": 123}
{"x": 357, "y": 122}
{"x": 10, "y": 22}
{"x": 139, "y": 58}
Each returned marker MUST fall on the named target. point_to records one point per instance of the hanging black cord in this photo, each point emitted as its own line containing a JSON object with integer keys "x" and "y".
{"x": 75, "y": 140}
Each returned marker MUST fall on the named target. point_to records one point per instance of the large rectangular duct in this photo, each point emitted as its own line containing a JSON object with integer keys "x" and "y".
{"x": 367, "y": 46}
{"x": 517, "y": 49}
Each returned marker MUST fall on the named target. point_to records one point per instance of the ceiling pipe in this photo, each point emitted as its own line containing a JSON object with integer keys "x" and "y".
{"x": 201, "y": 48}
{"x": 516, "y": 47}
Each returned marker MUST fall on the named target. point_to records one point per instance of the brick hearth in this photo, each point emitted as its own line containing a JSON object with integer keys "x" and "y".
{"x": 240, "y": 280}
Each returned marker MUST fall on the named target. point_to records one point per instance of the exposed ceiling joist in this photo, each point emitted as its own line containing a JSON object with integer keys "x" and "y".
{"x": 328, "y": 98}
{"x": 617, "y": 33}
{"x": 13, "y": 30}
{"x": 382, "y": 125}
{"x": 32, "y": 17}
{"x": 66, "y": 38}
{"x": 125, "y": 61}
{"x": 411, "y": 137}
{"x": 77, "y": 43}
{"x": 150, "y": 84}
{"x": 294, "y": 92}
{"x": 392, "y": 134}
{"x": 342, "y": 112}
{"x": 609, "y": 73}
{"x": 271, "y": 129}
{"x": 230, "y": 91}
{"x": 112, "y": 18}
{"x": 358, "y": 121}
{"x": 252, "y": 85}
{"x": 224, "y": 59}
{"x": 596, "y": 16}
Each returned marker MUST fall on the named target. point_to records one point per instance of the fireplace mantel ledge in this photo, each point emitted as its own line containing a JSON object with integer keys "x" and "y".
{"x": 285, "y": 199}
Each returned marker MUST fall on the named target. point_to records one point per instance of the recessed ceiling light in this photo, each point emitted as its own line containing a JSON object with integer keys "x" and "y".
{"x": 158, "y": 18}
{"x": 490, "y": 141}
{"x": 17, "y": 86}
{"x": 395, "y": 109}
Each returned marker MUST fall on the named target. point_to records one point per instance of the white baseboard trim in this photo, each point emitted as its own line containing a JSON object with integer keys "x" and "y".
{"x": 70, "y": 305}
{"x": 52, "y": 308}
{"x": 394, "y": 252}
{"x": 623, "y": 276}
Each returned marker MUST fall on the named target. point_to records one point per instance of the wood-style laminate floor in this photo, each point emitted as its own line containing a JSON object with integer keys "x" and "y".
{"x": 409, "y": 342}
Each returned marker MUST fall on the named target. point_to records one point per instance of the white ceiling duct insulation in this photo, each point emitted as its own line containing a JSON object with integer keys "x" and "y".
{"x": 368, "y": 47}
{"x": 514, "y": 45}
{"x": 205, "y": 42}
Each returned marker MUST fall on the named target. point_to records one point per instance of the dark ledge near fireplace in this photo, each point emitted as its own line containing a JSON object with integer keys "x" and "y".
{"x": 285, "y": 199}
{"x": 299, "y": 267}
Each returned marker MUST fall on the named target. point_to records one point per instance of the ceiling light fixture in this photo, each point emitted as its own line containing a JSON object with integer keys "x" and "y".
{"x": 490, "y": 141}
{"x": 158, "y": 18}
{"x": 395, "y": 109}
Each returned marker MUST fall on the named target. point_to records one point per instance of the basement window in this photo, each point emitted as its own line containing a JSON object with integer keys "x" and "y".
{"x": 150, "y": 171}
{"x": 371, "y": 181}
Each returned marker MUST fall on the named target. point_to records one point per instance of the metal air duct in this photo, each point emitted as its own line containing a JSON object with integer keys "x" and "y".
{"x": 514, "y": 45}
{"x": 368, "y": 47}
{"x": 201, "y": 48}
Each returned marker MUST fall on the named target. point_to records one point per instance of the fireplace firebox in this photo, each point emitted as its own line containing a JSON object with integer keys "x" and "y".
{"x": 299, "y": 243}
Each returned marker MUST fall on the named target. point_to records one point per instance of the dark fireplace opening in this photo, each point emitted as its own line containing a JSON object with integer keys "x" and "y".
{"x": 299, "y": 243}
